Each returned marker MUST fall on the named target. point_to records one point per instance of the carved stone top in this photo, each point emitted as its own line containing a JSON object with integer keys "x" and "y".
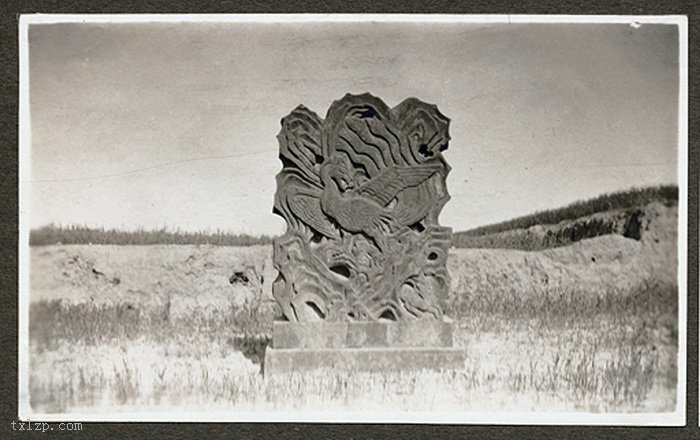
{"x": 361, "y": 192}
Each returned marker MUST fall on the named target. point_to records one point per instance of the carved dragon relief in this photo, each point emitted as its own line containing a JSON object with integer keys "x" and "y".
{"x": 361, "y": 192}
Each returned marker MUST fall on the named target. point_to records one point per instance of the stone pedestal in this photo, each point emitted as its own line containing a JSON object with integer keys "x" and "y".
{"x": 362, "y": 346}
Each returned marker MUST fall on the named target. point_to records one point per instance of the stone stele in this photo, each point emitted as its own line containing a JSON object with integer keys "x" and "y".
{"x": 362, "y": 267}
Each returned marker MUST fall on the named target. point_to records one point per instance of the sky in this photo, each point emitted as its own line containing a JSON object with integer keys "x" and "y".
{"x": 152, "y": 125}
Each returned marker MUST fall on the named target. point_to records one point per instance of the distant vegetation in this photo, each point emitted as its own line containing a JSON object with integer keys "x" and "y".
{"x": 53, "y": 234}
{"x": 630, "y": 199}
{"x": 633, "y": 198}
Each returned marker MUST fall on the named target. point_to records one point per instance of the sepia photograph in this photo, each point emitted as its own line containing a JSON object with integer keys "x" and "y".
{"x": 353, "y": 218}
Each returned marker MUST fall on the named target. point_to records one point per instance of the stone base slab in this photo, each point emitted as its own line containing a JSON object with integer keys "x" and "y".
{"x": 385, "y": 359}
{"x": 426, "y": 333}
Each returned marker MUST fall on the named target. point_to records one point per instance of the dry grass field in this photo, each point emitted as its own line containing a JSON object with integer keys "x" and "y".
{"x": 590, "y": 327}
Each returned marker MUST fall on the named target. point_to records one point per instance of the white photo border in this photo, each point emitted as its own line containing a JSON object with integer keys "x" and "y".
{"x": 675, "y": 418}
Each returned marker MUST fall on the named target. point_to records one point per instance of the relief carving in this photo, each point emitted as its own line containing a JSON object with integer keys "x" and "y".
{"x": 361, "y": 192}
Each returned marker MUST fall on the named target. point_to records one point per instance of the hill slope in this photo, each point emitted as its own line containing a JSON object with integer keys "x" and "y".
{"x": 628, "y": 214}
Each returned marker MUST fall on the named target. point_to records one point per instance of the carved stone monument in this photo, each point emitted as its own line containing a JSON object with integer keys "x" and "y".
{"x": 362, "y": 267}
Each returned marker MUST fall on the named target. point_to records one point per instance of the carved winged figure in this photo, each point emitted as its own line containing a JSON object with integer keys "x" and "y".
{"x": 365, "y": 170}
{"x": 364, "y": 209}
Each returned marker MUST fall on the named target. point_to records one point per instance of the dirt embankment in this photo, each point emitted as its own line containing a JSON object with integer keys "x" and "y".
{"x": 183, "y": 277}
{"x": 604, "y": 262}
{"x": 187, "y": 277}
{"x": 629, "y": 223}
